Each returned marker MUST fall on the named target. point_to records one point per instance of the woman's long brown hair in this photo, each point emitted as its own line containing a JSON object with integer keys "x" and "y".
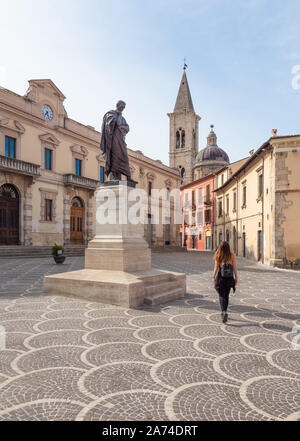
{"x": 223, "y": 253}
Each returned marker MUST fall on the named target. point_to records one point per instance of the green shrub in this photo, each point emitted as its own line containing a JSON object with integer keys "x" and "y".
{"x": 55, "y": 249}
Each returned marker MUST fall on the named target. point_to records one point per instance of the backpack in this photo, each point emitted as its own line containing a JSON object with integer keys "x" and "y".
{"x": 226, "y": 271}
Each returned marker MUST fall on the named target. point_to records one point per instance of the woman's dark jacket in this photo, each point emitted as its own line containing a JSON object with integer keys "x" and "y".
{"x": 224, "y": 284}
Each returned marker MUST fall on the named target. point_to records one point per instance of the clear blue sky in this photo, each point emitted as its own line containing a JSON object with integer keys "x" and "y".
{"x": 239, "y": 54}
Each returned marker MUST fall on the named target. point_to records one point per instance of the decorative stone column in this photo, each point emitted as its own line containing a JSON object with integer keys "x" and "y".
{"x": 66, "y": 213}
{"x": 28, "y": 215}
{"x": 89, "y": 216}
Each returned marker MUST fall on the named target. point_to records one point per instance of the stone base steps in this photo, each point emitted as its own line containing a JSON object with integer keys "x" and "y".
{"x": 38, "y": 251}
{"x": 163, "y": 289}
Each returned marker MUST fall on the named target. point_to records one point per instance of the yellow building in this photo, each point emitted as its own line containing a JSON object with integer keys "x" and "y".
{"x": 50, "y": 166}
{"x": 258, "y": 203}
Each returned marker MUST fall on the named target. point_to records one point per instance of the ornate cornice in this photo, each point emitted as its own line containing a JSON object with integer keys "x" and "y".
{"x": 12, "y": 124}
{"x": 49, "y": 138}
{"x": 79, "y": 149}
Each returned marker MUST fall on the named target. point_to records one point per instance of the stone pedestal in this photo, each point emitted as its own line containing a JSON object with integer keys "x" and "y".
{"x": 118, "y": 259}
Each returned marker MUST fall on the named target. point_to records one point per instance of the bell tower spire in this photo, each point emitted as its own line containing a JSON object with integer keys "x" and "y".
{"x": 183, "y": 131}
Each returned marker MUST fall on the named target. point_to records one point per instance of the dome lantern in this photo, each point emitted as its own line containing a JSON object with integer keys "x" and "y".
{"x": 211, "y": 158}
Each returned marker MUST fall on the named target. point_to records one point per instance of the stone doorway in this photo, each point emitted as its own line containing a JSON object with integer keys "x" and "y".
{"x": 259, "y": 246}
{"x": 76, "y": 222}
{"x": 244, "y": 244}
{"x": 9, "y": 215}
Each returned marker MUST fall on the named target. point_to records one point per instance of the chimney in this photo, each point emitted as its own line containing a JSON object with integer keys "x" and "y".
{"x": 251, "y": 152}
{"x": 274, "y": 132}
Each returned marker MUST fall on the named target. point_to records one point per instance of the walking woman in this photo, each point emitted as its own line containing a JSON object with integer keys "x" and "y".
{"x": 225, "y": 267}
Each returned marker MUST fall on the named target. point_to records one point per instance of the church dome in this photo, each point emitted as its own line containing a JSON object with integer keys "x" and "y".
{"x": 212, "y": 152}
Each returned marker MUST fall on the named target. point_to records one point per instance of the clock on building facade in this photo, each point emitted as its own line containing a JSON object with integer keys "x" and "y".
{"x": 47, "y": 112}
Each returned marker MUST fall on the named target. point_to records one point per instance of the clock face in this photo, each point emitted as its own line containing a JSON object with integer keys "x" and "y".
{"x": 47, "y": 112}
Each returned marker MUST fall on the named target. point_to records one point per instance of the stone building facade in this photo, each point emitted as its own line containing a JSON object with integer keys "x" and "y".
{"x": 258, "y": 205}
{"x": 50, "y": 166}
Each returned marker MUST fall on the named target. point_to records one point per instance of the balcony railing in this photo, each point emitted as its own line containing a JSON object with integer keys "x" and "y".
{"x": 81, "y": 181}
{"x": 20, "y": 167}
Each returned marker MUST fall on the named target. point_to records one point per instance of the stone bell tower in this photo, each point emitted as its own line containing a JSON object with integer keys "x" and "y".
{"x": 184, "y": 136}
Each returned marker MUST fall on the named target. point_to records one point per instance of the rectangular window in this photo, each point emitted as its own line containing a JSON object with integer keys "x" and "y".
{"x": 260, "y": 185}
{"x": 102, "y": 175}
{"x": 10, "y": 147}
{"x": 207, "y": 216}
{"x": 227, "y": 205}
{"x": 234, "y": 200}
{"x": 200, "y": 196}
{"x": 193, "y": 198}
{"x": 207, "y": 194}
{"x": 168, "y": 194}
{"x": 48, "y": 159}
{"x": 200, "y": 217}
{"x": 78, "y": 167}
{"x": 222, "y": 180}
{"x": 220, "y": 208}
{"x": 48, "y": 209}
{"x": 244, "y": 195}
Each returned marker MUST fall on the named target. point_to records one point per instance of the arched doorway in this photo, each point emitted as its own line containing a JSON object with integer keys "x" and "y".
{"x": 208, "y": 240}
{"x": 9, "y": 215}
{"x": 76, "y": 221}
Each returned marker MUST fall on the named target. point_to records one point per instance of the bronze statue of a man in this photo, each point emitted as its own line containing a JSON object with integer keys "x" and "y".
{"x": 113, "y": 145}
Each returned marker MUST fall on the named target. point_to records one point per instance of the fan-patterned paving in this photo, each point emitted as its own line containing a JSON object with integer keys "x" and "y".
{"x": 69, "y": 359}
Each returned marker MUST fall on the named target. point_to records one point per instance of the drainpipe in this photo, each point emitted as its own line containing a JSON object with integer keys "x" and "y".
{"x": 213, "y": 226}
{"x": 223, "y": 204}
{"x": 262, "y": 205}
{"x": 237, "y": 215}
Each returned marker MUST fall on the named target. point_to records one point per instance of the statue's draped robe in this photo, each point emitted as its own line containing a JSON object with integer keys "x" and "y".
{"x": 113, "y": 145}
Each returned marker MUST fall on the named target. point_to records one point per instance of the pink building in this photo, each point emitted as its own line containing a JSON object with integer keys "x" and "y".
{"x": 198, "y": 213}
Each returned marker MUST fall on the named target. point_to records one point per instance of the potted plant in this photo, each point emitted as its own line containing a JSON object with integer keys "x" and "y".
{"x": 57, "y": 253}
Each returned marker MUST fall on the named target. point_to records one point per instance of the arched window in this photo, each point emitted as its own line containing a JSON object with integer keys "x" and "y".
{"x": 177, "y": 139}
{"x": 227, "y": 236}
{"x": 9, "y": 191}
{"x": 77, "y": 202}
{"x": 194, "y": 139}
{"x": 182, "y": 139}
{"x": 183, "y": 174}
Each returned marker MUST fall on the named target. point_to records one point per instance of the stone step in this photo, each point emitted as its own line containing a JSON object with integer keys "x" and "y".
{"x": 164, "y": 297}
{"x": 159, "y": 287}
{"x": 156, "y": 275}
{"x": 39, "y": 251}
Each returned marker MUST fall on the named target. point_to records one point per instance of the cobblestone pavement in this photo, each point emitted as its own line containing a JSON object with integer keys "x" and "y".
{"x": 68, "y": 359}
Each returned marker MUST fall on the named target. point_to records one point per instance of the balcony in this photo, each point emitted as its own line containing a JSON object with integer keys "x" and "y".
{"x": 81, "y": 181}
{"x": 19, "y": 167}
{"x": 207, "y": 202}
